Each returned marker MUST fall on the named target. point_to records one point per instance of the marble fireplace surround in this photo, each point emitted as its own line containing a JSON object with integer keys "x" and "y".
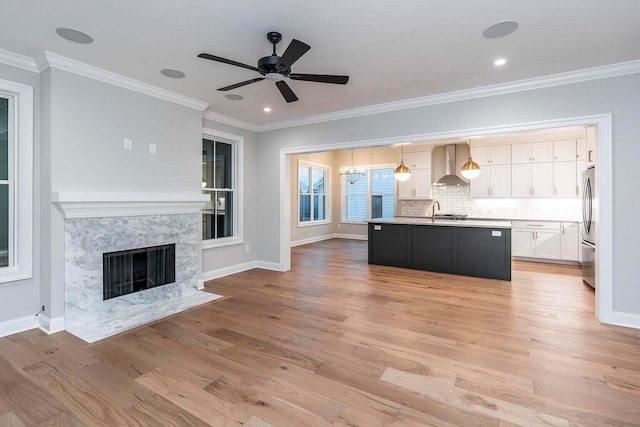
{"x": 96, "y": 223}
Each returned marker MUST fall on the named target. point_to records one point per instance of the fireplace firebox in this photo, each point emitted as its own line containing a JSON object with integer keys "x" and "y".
{"x": 126, "y": 272}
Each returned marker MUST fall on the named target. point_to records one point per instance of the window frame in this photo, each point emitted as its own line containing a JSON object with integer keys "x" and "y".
{"x": 327, "y": 193}
{"x": 20, "y": 182}
{"x": 343, "y": 196}
{"x": 237, "y": 175}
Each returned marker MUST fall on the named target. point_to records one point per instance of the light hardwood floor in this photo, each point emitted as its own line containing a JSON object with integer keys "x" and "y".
{"x": 338, "y": 342}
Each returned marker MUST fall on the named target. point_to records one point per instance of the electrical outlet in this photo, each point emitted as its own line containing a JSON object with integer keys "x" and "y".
{"x": 152, "y": 148}
{"x": 338, "y": 225}
{"x": 43, "y": 308}
{"x": 246, "y": 248}
{"x": 128, "y": 144}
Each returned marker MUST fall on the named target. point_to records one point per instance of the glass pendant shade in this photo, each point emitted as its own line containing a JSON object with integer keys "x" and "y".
{"x": 471, "y": 169}
{"x": 402, "y": 173}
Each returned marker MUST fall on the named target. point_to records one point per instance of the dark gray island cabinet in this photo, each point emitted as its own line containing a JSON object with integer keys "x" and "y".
{"x": 469, "y": 248}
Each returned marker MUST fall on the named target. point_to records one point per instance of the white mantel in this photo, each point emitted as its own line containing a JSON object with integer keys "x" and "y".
{"x": 75, "y": 204}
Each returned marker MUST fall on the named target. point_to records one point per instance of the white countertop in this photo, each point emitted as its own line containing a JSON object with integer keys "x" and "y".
{"x": 443, "y": 222}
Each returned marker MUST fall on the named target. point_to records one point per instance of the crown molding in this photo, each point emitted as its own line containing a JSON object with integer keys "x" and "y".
{"x": 17, "y": 60}
{"x": 602, "y": 72}
{"x": 80, "y": 68}
{"x": 210, "y": 115}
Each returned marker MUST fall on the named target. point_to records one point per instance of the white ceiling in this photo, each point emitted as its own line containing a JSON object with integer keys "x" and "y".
{"x": 392, "y": 50}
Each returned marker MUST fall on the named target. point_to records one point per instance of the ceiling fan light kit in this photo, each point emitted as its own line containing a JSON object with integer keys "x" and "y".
{"x": 278, "y": 68}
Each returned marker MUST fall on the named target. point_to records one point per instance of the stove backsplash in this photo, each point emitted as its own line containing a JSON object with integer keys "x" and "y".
{"x": 456, "y": 200}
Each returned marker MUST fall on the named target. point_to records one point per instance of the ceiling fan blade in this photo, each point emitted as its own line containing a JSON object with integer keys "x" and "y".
{"x": 237, "y": 85}
{"x": 320, "y": 78}
{"x": 228, "y": 61}
{"x": 286, "y": 91}
{"x": 294, "y": 51}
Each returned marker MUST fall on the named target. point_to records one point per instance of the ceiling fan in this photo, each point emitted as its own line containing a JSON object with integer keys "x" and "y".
{"x": 278, "y": 68}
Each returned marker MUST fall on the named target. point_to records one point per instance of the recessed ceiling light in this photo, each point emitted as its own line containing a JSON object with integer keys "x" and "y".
{"x": 234, "y": 97}
{"x": 74, "y": 35}
{"x": 500, "y": 29}
{"x": 267, "y": 109}
{"x": 499, "y": 62}
{"x": 174, "y": 74}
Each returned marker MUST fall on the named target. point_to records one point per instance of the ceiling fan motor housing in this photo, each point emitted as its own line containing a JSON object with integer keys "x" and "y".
{"x": 268, "y": 65}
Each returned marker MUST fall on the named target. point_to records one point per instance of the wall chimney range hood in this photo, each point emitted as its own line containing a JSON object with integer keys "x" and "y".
{"x": 450, "y": 177}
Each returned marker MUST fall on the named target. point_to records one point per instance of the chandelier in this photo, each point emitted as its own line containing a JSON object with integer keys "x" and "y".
{"x": 351, "y": 174}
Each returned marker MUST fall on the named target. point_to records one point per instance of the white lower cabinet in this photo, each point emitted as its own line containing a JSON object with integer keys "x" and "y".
{"x": 570, "y": 241}
{"x": 545, "y": 240}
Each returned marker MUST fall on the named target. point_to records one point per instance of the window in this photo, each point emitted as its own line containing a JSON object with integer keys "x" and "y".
{"x": 222, "y": 180}
{"x": 313, "y": 193}
{"x": 16, "y": 181}
{"x": 371, "y": 197}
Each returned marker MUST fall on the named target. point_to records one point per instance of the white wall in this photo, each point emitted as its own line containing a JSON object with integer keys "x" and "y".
{"x": 618, "y": 96}
{"x": 22, "y": 298}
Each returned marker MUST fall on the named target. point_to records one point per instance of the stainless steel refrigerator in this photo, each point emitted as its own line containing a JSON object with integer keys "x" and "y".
{"x": 589, "y": 239}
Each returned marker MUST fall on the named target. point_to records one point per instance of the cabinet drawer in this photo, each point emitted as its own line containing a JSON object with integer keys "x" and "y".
{"x": 536, "y": 225}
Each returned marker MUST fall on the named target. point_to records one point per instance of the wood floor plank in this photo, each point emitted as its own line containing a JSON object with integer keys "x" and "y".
{"x": 336, "y": 341}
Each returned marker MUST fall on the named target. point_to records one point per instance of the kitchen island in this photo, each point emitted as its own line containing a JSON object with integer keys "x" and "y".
{"x": 469, "y": 248}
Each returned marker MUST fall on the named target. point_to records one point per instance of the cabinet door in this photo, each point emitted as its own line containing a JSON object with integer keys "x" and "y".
{"x": 521, "y": 153}
{"x": 409, "y": 160}
{"x": 542, "y": 152}
{"x": 580, "y": 166}
{"x": 422, "y": 183}
{"x": 591, "y": 146}
{"x": 547, "y": 243}
{"x": 521, "y": 180}
{"x": 480, "y": 155}
{"x": 522, "y": 242}
{"x": 422, "y": 160}
{"x": 500, "y": 181}
{"x": 500, "y": 155}
{"x": 542, "y": 180}
{"x": 565, "y": 150}
{"x": 581, "y": 149}
{"x": 480, "y": 185}
{"x": 564, "y": 179}
{"x": 569, "y": 242}
{"x": 405, "y": 188}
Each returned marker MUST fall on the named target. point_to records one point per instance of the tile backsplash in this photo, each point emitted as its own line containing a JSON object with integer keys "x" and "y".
{"x": 456, "y": 200}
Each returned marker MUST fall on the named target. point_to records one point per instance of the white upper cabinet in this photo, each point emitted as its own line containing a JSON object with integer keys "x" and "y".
{"x": 521, "y": 180}
{"x": 494, "y": 181}
{"x": 542, "y": 180}
{"x": 538, "y": 152}
{"x": 581, "y": 149}
{"x": 580, "y": 166}
{"x": 494, "y": 155}
{"x": 418, "y": 160}
{"x": 564, "y": 151}
{"x": 542, "y": 152}
{"x": 591, "y": 146}
{"x": 564, "y": 179}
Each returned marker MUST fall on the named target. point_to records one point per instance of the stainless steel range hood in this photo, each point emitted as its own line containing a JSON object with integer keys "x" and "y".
{"x": 450, "y": 177}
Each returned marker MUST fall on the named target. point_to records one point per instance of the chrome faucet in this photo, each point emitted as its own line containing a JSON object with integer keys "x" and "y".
{"x": 433, "y": 210}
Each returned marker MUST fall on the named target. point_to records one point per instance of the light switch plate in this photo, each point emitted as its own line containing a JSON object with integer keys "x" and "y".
{"x": 152, "y": 148}
{"x": 495, "y": 233}
{"x": 128, "y": 145}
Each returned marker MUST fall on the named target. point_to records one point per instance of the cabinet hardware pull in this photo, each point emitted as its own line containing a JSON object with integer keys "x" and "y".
{"x": 555, "y": 190}
{"x": 590, "y": 156}
{"x": 577, "y": 190}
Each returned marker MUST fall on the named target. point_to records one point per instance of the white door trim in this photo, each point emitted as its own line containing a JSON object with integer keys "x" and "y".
{"x": 604, "y": 190}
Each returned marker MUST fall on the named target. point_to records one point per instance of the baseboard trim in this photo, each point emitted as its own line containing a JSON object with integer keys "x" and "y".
{"x": 226, "y": 271}
{"x": 628, "y": 320}
{"x": 350, "y": 236}
{"x": 546, "y": 260}
{"x": 51, "y": 326}
{"x": 311, "y": 240}
{"x": 268, "y": 265}
{"x": 21, "y": 324}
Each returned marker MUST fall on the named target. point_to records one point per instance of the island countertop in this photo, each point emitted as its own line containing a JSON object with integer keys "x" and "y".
{"x": 443, "y": 222}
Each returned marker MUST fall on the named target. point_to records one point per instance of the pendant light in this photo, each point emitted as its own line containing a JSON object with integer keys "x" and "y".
{"x": 402, "y": 173}
{"x": 471, "y": 169}
{"x": 352, "y": 174}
